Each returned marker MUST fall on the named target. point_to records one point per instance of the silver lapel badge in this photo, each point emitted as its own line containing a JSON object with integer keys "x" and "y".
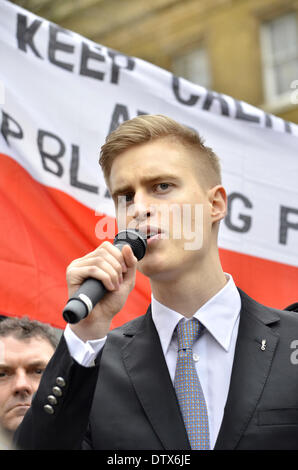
{"x": 264, "y": 344}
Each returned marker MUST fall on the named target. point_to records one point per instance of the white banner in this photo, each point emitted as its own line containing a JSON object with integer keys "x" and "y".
{"x": 62, "y": 94}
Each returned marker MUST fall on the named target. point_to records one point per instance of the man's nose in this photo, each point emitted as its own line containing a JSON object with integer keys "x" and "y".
{"x": 22, "y": 384}
{"x": 142, "y": 207}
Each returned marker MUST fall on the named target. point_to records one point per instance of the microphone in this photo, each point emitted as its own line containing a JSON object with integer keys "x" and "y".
{"x": 92, "y": 290}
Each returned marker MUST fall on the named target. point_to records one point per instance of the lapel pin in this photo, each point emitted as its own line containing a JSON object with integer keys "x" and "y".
{"x": 264, "y": 344}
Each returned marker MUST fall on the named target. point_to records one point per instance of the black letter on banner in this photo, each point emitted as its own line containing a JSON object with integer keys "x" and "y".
{"x": 74, "y": 169}
{"x": 130, "y": 63}
{"x": 210, "y": 97}
{"x": 240, "y": 114}
{"x": 268, "y": 120}
{"x": 55, "y": 45}
{"x": 288, "y": 127}
{"x": 285, "y": 224}
{"x": 120, "y": 114}
{"x": 6, "y": 129}
{"x": 89, "y": 54}
{"x": 245, "y": 218}
{"x": 47, "y": 156}
{"x": 269, "y": 123}
{"x": 192, "y": 99}
{"x": 107, "y": 194}
{"x": 25, "y": 34}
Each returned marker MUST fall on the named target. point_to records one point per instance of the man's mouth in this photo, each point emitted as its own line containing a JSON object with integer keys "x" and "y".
{"x": 151, "y": 233}
{"x": 19, "y": 408}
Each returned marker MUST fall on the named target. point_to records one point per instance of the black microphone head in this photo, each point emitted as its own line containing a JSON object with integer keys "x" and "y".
{"x": 137, "y": 242}
{"x": 292, "y": 307}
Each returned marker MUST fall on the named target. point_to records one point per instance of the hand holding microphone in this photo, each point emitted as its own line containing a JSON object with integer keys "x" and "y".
{"x": 101, "y": 281}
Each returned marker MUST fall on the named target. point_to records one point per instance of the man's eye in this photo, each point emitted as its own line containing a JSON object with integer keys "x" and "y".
{"x": 162, "y": 186}
{"x": 5, "y": 374}
{"x": 128, "y": 197}
{"x": 124, "y": 199}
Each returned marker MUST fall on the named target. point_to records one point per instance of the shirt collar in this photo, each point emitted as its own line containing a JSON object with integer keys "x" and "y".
{"x": 218, "y": 315}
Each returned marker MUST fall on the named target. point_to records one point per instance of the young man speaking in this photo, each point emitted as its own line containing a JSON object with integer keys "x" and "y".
{"x": 207, "y": 367}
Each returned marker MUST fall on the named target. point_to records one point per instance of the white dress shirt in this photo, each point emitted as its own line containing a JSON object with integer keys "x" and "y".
{"x": 213, "y": 352}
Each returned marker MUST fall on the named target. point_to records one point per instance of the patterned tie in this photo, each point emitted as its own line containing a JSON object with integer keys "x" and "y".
{"x": 188, "y": 388}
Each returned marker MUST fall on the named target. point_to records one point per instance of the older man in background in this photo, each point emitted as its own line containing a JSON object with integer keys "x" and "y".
{"x": 25, "y": 349}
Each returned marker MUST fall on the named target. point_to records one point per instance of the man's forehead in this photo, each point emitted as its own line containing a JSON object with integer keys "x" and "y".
{"x": 137, "y": 165}
{"x": 24, "y": 348}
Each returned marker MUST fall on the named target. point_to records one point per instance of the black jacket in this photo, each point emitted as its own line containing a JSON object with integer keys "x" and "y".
{"x": 127, "y": 401}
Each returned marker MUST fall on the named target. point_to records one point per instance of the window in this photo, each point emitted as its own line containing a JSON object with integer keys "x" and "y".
{"x": 279, "y": 45}
{"x": 193, "y": 66}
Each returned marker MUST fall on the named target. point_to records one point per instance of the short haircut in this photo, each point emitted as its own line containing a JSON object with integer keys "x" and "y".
{"x": 146, "y": 128}
{"x": 24, "y": 328}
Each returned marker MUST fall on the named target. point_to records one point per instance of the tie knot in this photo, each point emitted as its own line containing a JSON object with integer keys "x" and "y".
{"x": 188, "y": 332}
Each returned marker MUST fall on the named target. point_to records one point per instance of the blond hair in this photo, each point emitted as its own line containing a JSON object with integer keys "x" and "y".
{"x": 145, "y": 128}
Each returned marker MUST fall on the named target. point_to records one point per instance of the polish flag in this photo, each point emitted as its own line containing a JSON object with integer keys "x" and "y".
{"x": 60, "y": 95}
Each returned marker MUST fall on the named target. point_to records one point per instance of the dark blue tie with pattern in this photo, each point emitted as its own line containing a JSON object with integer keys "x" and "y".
{"x": 188, "y": 388}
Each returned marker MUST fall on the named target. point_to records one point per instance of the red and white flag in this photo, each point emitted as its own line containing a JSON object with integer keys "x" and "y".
{"x": 60, "y": 95}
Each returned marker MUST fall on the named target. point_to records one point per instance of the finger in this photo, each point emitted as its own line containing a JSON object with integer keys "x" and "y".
{"x": 107, "y": 252}
{"x": 107, "y": 248}
{"x": 100, "y": 261}
{"x": 106, "y": 273}
{"x": 129, "y": 257}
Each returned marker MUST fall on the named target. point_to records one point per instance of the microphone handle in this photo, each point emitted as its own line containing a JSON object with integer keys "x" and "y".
{"x": 86, "y": 297}
{"x": 83, "y": 301}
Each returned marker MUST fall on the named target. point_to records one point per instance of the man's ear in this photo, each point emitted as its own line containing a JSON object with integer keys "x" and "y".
{"x": 217, "y": 197}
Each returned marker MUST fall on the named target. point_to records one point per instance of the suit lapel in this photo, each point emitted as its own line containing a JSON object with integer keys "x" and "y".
{"x": 146, "y": 366}
{"x": 250, "y": 369}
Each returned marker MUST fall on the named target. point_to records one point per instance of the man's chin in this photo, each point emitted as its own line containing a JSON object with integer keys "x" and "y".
{"x": 150, "y": 265}
{"x": 156, "y": 271}
{"x": 12, "y": 424}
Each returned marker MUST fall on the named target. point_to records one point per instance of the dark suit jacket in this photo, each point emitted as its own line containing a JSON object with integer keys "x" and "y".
{"x": 132, "y": 404}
